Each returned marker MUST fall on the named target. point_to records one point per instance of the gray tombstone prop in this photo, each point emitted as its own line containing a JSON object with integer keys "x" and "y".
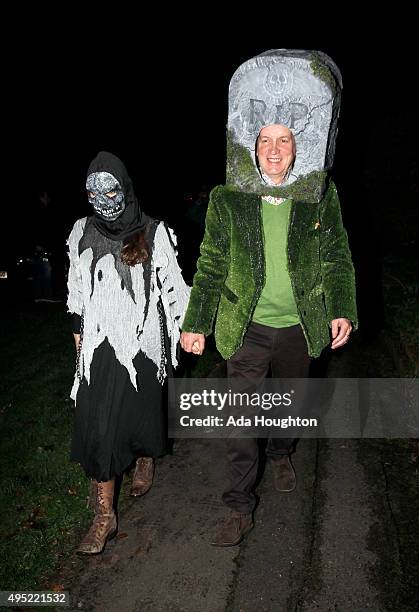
{"x": 299, "y": 89}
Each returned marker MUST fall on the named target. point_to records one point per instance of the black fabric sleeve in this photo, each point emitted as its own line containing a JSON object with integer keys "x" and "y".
{"x": 76, "y": 323}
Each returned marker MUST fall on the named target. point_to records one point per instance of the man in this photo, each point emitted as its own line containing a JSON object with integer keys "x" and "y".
{"x": 277, "y": 273}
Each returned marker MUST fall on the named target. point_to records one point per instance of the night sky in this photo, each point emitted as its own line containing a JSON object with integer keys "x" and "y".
{"x": 73, "y": 95}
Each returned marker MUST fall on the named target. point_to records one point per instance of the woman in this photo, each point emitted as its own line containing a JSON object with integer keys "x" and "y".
{"x": 128, "y": 298}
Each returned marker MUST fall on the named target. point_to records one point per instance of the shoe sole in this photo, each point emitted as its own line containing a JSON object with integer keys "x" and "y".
{"x": 286, "y": 490}
{"x": 236, "y": 542}
{"x": 140, "y": 494}
{"x": 92, "y": 554}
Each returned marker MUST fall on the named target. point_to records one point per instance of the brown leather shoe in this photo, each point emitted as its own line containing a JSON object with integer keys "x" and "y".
{"x": 143, "y": 476}
{"x": 284, "y": 476}
{"x": 233, "y": 529}
{"x": 104, "y": 526}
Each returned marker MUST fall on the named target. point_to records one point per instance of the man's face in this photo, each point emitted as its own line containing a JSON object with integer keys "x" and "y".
{"x": 105, "y": 195}
{"x": 276, "y": 151}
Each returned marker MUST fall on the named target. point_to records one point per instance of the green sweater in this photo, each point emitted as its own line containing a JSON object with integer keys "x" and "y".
{"x": 276, "y": 306}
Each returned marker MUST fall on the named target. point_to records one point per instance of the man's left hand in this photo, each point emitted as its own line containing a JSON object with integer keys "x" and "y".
{"x": 341, "y": 330}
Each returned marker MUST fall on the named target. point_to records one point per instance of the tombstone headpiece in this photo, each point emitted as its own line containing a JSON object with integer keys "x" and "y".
{"x": 299, "y": 89}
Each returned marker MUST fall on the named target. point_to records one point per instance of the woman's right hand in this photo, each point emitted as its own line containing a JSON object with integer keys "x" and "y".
{"x": 77, "y": 341}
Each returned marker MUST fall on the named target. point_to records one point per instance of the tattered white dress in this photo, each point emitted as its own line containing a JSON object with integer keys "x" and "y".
{"x": 131, "y": 318}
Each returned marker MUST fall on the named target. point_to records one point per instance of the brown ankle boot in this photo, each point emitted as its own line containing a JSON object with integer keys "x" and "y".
{"x": 104, "y": 526}
{"x": 143, "y": 476}
{"x": 233, "y": 529}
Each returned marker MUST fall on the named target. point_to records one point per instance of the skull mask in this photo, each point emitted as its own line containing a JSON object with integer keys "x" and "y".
{"x": 105, "y": 194}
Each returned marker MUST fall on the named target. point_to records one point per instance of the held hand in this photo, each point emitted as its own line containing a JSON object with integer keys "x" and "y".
{"x": 192, "y": 343}
{"x": 341, "y": 330}
{"x": 77, "y": 340}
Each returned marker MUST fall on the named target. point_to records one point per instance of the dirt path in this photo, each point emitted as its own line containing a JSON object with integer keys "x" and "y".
{"x": 307, "y": 550}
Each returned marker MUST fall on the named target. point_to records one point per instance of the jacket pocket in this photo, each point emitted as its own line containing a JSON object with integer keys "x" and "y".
{"x": 232, "y": 297}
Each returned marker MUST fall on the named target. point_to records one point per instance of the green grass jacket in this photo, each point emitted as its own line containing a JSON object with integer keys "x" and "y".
{"x": 231, "y": 269}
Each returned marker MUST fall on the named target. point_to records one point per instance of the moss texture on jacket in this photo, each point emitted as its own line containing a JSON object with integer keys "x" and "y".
{"x": 231, "y": 268}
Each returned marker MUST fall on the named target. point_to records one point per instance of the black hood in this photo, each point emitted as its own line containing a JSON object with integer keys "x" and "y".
{"x": 132, "y": 220}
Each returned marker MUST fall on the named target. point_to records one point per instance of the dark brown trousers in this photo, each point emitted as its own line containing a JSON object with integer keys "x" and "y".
{"x": 283, "y": 352}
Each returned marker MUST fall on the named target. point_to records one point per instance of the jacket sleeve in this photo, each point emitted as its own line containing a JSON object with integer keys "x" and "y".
{"x": 338, "y": 276}
{"x": 211, "y": 269}
{"x": 74, "y": 282}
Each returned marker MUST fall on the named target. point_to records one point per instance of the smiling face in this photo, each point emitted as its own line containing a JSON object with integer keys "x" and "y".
{"x": 105, "y": 195}
{"x": 275, "y": 151}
